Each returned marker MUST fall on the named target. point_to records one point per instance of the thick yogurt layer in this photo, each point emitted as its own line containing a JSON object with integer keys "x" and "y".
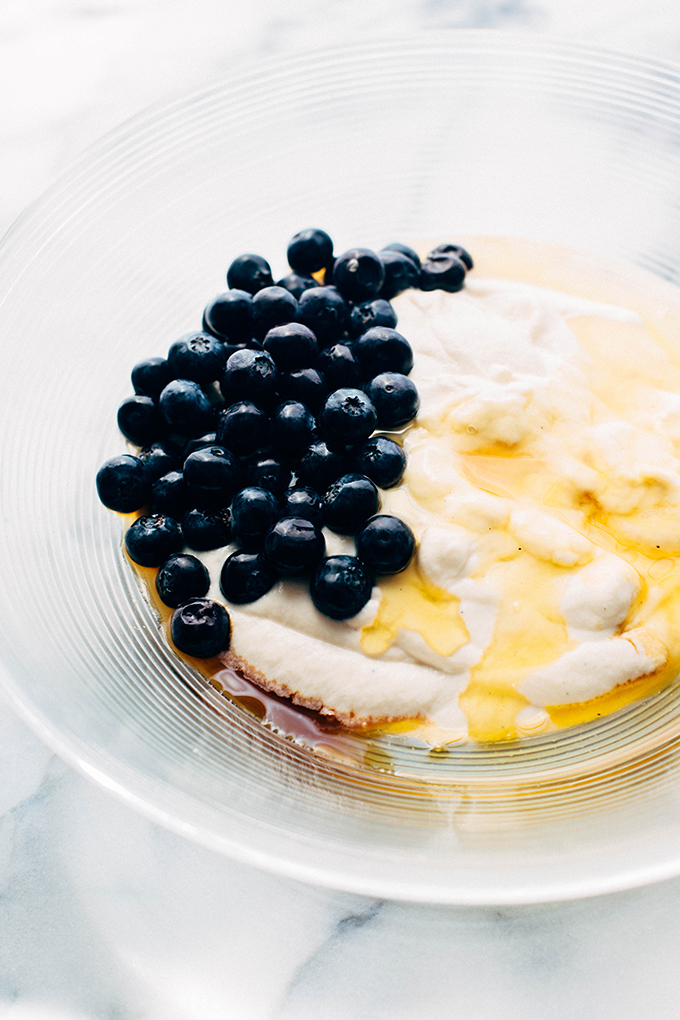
{"x": 543, "y": 486}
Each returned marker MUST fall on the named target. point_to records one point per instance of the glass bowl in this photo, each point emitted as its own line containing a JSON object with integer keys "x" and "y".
{"x": 442, "y": 135}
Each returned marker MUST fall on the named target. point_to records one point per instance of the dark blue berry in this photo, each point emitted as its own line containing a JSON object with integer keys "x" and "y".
{"x": 209, "y": 439}
{"x": 243, "y": 428}
{"x": 302, "y": 501}
{"x": 395, "y": 399}
{"x": 292, "y": 345}
{"x": 160, "y": 458}
{"x": 442, "y": 272}
{"x": 319, "y": 466}
{"x": 186, "y": 408}
{"x": 326, "y": 312}
{"x": 250, "y": 273}
{"x": 377, "y": 312}
{"x": 294, "y": 545}
{"x": 401, "y": 272}
{"x": 140, "y": 421}
{"x": 293, "y": 427}
{"x": 152, "y": 538}
{"x": 358, "y": 274}
{"x": 268, "y": 472}
{"x": 200, "y": 627}
{"x": 348, "y": 502}
{"x": 272, "y": 306}
{"x": 181, "y": 577}
{"x": 454, "y": 249}
{"x": 339, "y": 367}
{"x": 198, "y": 356}
{"x": 385, "y": 544}
{"x": 304, "y": 384}
{"x": 150, "y": 377}
{"x": 205, "y": 529}
{"x": 310, "y": 250}
{"x": 253, "y": 511}
{"x": 229, "y": 317}
{"x": 404, "y": 249}
{"x": 249, "y": 375}
{"x": 340, "y": 587}
{"x": 297, "y": 284}
{"x": 348, "y": 417}
{"x": 382, "y": 460}
{"x": 246, "y": 577}
{"x": 212, "y": 471}
{"x": 124, "y": 483}
{"x": 383, "y": 350}
{"x": 169, "y": 495}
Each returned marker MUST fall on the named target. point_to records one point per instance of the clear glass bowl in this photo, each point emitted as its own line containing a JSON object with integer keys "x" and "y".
{"x": 461, "y": 133}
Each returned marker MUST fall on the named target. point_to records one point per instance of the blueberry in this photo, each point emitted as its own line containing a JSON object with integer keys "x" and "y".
{"x": 358, "y": 274}
{"x": 169, "y": 495}
{"x": 209, "y": 439}
{"x": 229, "y": 316}
{"x": 302, "y": 501}
{"x": 326, "y": 312}
{"x": 212, "y": 471}
{"x": 339, "y": 366}
{"x": 383, "y": 350}
{"x": 243, "y": 428}
{"x": 340, "y": 587}
{"x": 348, "y": 417}
{"x": 152, "y": 538}
{"x": 200, "y": 627}
{"x": 403, "y": 249}
{"x": 253, "y": 511}
{"x": 297, "y": 284}
{"x": 319, "y": 466}
{"x": 250, "y": 273}
{"x": 382, "y": 460}
{"x": 246, "y": 577}
{"x": 150, "y": 376}
{"x": 251, "y": 375}
{"x": 395, "y": 399}
{"x": 140, "y": 421}
{"x": 454, "y": 249}
{"x": 401, "y": 272}
{"x": 186, "y": 408}
{"x": 160, "y": 457}
{"x": 294, "y": 545}
{"x": 385, "y": 544}
{"x": 291, "y": 346}
{"x": 348, "y": 502}
{"x": 309, "y": 251}
{"x": 181, "y": 577}
{"x": 293, "y": 427}
{"x": 268, "y": 472}
{"x": 205, "y": 529}
{"x": 198, "y": 356}
{"x": 442, "y": 272}
{"x": 124, "y": 483}
{"x": 304, "y": 384}
{"x": 272, "y": 306}
{"x": 377, "y": 312}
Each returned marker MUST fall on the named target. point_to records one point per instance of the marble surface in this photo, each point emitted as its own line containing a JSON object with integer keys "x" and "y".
{"x": 104, "y": 914}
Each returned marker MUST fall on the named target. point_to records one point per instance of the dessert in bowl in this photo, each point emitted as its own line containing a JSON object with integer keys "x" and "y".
{"x": 123, "y": 253}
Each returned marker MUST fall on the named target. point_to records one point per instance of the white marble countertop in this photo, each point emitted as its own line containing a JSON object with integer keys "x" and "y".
{"x": 104, "y": 914}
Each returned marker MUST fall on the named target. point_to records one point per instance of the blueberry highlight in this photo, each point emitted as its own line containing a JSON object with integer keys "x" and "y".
{"x": 385, "y": 544}
{"x": 200, "y": 627}
{"x": 340, "y": 587}
{"x": 181, "y": 577}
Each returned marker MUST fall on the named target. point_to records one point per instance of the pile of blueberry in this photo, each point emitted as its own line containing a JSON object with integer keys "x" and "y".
{"x": 259, "y": 430}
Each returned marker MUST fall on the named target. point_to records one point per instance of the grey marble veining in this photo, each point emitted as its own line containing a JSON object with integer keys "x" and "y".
{"x": 106, "y": 915}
